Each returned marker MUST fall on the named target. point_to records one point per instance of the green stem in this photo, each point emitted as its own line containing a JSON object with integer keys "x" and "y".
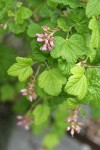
{"x": 47, "y": 65}
{"x": 37, "y": 72}
{"x": 89, "y": 66}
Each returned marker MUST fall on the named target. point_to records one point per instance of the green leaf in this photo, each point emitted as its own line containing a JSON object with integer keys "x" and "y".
{"x": 71, "y": 3}
{"x": 51, "y": 81}
{"x": 22, "y": 14}
{"x": 93, "y": 25}
{"x": 33, "y": 29}
{"x": 44, "y": 12}
{"x": 91, "y": 54}
{"x": 40, "y": 92}
{"x": 93, "y": 8}
{"x": 93, "y": 76}
{"x": 51, "y": 141}
{"x": 19, "y": 4}
{"x": 77, "y": 83}
{"x": 16, "y": 28}
{"x": 7, "y": 57}
{"x": 72, "y": 103}
{"x": 64, "y": 66}
{"x": 69, "y": 49}
{"x": 4, "y": 7}
{"x": 61, "y": 114}
{"x": 7, "y": 92}
{"x": 52, "y": 3}
{"x": 62, "y": 24}
{"x": 41, "y": 114}
{"x": 36, "y": 53}
{"x": 22, "y": 68}
{"x": 80, "y": 21}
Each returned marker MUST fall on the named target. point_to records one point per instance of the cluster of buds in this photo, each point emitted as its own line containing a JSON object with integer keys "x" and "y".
{"x": 30, "y": 90}
{"x": 74, "y": 123}
{"x": 47, "y": 38}
{"x": 24, "y": 121}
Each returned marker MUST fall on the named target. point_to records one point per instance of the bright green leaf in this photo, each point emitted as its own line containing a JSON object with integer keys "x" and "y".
{"x": 22, "y": 68}
{"x": 77, "y": 83}
{"x": 77, "y": 70}
{"x": 69, "y": 49}
{"x": 91, "y": 54}
{"x": 72, "y": 103}
{"x": 93, "y": 25}
{"x": 71, "y": 3}
{"x": 93, "y": 76}
{"x": 51, "y": 141}
{"x": 93, "y": 8}
{"x": 19, "y": 4}
{"x": 64, "y": 66}
{"x": 52, "y": 3}
{"x": 41, "y": 114}
{"x": 33, "y": 29}
{"x": 16, "y": 28}
{"x": 62, "y": 24}
{"x": 51, "y": 81}
{"x": 22, "y": 14}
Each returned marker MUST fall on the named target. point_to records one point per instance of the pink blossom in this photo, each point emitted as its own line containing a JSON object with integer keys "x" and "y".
{"x": 24, "y": 92}
{"x": 74, "y": 123}
{"x": 30, "y": 98}
{"x": 47, "y": 38}
{"x": 40, "y": 35}
{"x": 30, "y": 91}
{"x": 24, "y": 121}
{"x": 39, "y": 39}
{"x": 44, "y": 47}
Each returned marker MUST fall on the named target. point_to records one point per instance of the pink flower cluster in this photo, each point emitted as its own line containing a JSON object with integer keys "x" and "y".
{"x": 30, "y": 91}
{"x": 47, "y": 38}
{"x": 74, "y": 123}
{"x": 24, "y": 121}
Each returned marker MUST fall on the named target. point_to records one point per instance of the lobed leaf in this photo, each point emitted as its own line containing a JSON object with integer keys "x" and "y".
{"x": 93, "y": 25}
{"x": 77, "y": 83}
{"x": 93, "y": 8}
{"x": 33, "y": 29}
{"x": 41, "y": 114}
{"x": 69, "y": 49}
{"x": 51, "y": 81}
{"x": 71, "y": 3}
{"x": 22, "y": 68}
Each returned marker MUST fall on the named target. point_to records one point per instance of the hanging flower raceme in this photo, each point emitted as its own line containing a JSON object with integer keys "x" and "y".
{"x": 24, "y": 121}
{"x": 74, "y": 123}
{"x": 47, "y": 38}
{"x": 30, "y": 91}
